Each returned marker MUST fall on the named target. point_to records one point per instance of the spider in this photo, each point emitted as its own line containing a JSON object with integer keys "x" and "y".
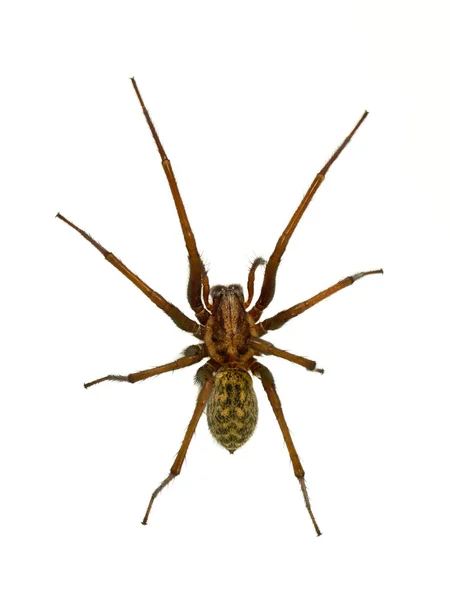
{"x": 230, "y": 333}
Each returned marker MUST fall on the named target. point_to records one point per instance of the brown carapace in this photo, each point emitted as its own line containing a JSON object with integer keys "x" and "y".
{"x": 230, "y": 333}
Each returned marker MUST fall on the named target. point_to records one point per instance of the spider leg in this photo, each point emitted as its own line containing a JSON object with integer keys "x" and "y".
{"x": 196, "y": 267}
{"x": 193, "y": 355}
{"x": 269, "y": 386}
{"x": 284, "y": 316}
{"x": 251, "y": 279}
{"x": 178, "y": 317}
{"x": 175, "y": 470}
{"x": 205, "y": 287}
{"x": 264, "y": 347}
{"x": 268, "y": 286}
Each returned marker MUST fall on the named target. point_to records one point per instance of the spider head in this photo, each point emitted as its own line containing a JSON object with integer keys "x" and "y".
{"x": 219, "y": 293}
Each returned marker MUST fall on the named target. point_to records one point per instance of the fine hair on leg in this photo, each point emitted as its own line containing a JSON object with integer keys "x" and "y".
{"x": 268, "y": 286}
{"x": 195, "y": 354}
{"x": 175, "y": 470}
{"x": 269, "y": 386}
{"x": 284, "y": 316}
{"x": 197, "y": 270}
{"x": 178, "y": 317}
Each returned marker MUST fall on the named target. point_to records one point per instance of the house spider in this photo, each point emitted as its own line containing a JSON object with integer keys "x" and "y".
{"x": 230, "y": 333}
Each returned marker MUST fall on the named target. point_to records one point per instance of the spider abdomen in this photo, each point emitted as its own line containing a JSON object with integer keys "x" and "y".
{"x": 232, "y": 409}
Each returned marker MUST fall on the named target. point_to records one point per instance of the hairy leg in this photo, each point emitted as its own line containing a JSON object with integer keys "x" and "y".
{"x": 268, "y": 286}
{"x": 264, "y": 347}
{"x": 175, "y": 470}
{"x": 284, "y": 316}
{"x": 178, "y": 317}
{"x": 193, "y": 355}
{"x": 269, "y": 386}
{"x": 205, "y": 288}
{"x": 196, "y": 267}
{"x": 251, "y": 279}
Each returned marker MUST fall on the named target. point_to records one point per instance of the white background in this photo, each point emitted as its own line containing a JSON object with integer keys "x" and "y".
{"x": 250, "y": 100}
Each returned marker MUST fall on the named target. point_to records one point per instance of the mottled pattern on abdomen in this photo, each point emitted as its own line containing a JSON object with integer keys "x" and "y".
{"x": 232, "y": 409}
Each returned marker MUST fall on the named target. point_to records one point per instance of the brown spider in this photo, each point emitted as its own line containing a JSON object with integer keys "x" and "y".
{"x": 230, "y": 333}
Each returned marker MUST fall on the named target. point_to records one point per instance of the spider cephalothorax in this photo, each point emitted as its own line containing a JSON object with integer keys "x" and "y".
{"x": 230, "y": 333}
{"x": 229, "y": 328}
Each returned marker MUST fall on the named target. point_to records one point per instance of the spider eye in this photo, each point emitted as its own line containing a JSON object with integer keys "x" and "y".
{"x": 217, "y": 291}
{"x": 236, "y": 289}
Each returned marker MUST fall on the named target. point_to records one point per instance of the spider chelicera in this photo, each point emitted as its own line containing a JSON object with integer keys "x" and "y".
{"x": 230, "y": 333}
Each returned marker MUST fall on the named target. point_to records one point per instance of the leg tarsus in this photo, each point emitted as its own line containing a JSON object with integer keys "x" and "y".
{"x": 357, "y": 276}
{"x": 162, "y": 485}
{"x": 107, "y": 378}
{"x": 308, "y": 504}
